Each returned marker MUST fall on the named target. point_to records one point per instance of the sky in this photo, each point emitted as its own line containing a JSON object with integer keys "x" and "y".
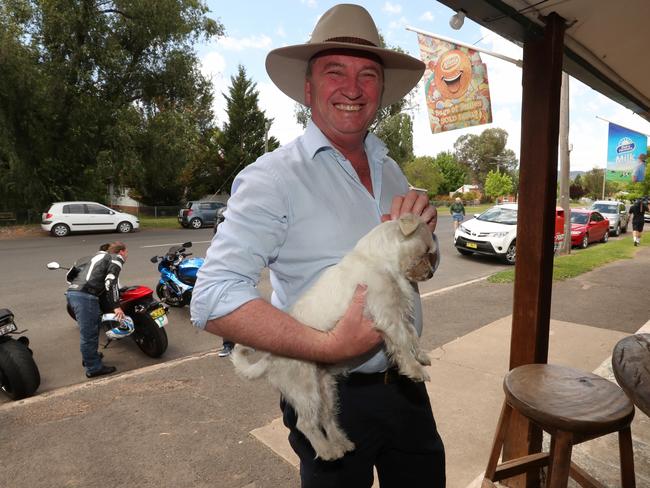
{"x": 253, "y": 28}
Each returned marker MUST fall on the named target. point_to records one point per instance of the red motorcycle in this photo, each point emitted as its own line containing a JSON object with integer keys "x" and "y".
{"x": 149, "y": 317}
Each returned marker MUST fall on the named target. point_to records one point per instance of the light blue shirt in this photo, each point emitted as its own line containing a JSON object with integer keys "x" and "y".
{"x": 297, "y": 211}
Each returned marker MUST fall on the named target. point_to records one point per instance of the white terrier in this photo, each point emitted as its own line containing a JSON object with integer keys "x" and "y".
{"x": 386, "y": 260}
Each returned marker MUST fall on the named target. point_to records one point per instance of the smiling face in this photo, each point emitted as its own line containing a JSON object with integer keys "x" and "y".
{"x": 453, "y": 74}
{"x": 343, "y": 91}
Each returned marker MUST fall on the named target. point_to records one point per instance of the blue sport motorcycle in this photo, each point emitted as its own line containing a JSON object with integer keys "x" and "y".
{"x": 177, "y": 275}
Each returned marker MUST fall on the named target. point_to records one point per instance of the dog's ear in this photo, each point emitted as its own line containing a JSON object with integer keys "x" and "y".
{"x": 408, "y": 223}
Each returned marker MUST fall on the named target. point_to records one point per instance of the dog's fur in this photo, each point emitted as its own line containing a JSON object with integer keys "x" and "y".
{"x": 387, "y": 260}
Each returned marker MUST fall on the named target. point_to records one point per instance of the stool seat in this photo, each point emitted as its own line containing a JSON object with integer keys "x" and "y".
{"x": 564, "y": 398}
{"x": 573, "y": 406}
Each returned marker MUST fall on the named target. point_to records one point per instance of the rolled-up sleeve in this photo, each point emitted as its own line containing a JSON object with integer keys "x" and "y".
{"x": 250, "y": 238}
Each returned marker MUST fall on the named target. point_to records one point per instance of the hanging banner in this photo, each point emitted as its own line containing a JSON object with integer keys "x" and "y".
{"x": 623, "y": 149}
{"x": 456, "y": 86}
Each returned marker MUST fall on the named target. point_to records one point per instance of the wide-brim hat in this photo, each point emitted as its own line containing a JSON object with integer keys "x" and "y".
{"x": 344, "y": 26}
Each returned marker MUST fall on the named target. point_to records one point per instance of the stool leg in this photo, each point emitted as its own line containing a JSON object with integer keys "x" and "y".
{"x": 499, "y": 437}
{"x": 560, "y": 462}
{"x": 627, "y": 458}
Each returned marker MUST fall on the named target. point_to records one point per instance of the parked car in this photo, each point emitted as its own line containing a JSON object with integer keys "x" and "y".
{"x": 494, "y": 232}
{"x": 588, "y": 226}
{"x": 220, "y": 218}
{"x": 615, "y": 212}
{"x": 65, "y": 217}
{"x": 196, "y": 214}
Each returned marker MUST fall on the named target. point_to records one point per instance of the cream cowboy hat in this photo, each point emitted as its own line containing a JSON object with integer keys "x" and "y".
{"x": 344, "y": 26}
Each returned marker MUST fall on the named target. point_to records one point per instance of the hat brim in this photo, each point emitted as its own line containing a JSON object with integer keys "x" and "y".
{"x": 287, "y": 66}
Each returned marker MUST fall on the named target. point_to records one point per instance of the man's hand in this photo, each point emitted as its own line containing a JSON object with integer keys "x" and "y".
{"x": 416, "y": 203}
{"x": 119, "y": 313}
{"x": 354, "y": 334}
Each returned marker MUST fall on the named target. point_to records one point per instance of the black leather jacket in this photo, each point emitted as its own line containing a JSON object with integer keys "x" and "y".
{"x": 98, "y": 275}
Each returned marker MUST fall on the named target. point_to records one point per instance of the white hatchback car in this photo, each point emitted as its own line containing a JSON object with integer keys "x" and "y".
{"x": 65, "y": 217}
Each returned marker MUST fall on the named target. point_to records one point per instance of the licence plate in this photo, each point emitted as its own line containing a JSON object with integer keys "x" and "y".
{"x": 471, "y": 245}
{"x": 5, "y": 329}
{"x": 157, "y": 313}
{"x": 161, "y": 321}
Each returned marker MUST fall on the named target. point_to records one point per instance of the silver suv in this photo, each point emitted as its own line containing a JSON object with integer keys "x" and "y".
{"x": 615, "y": 212}
{"x": 196, "y": 214}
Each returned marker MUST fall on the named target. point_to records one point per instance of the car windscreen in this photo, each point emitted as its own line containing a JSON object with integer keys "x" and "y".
{"x": 499, "y": 215}
{"x": 605, "y": 208}
{"x": 579, "y": 218}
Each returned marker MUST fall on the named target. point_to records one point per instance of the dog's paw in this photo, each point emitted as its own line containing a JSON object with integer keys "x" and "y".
{"x": 335, "y": 450}
{"x": 423, "y": 359}
{"x": 416, "y": 372}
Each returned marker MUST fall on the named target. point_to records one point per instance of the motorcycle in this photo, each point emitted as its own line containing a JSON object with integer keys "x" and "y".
{"x": 19, "y": 376}
{"x": 177, "y": 275}
{"x": 149, "y": 317}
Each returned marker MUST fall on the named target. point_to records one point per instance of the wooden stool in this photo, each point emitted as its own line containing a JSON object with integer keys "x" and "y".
{"x": 573, "y": 406}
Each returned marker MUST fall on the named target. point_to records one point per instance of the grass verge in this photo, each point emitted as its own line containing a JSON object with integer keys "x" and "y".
{"x": 582, "y": 260}
{"x": 147, "y": 222}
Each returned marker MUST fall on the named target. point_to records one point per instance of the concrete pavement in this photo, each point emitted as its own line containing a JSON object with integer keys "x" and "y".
{"x": 192, "y": 422}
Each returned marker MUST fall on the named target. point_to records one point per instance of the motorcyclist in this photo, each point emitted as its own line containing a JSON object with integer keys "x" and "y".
{"x": 95, "y": 278}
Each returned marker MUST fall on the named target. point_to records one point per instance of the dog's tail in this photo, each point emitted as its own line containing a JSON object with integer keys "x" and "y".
{"x": 252, "y": 371}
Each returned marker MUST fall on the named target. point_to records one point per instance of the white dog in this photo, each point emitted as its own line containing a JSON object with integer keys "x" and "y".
{"x": 387, "y": 260}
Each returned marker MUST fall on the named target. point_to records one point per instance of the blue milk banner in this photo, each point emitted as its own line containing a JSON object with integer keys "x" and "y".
{"x": 623, "y": 149}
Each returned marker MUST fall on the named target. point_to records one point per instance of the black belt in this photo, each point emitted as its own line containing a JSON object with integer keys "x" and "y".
{"x": 387, "y": 377}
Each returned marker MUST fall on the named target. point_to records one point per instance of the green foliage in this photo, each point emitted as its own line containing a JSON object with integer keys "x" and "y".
{"x": 592, "y": 182}
{"x": 422, "y": 172}
{"x": 454, "y": 175}
{"x": 89, "y": 89}
{"x": 243, "y": 136}
{"x": 498, "y": 184}
{"x": 485, "y": 152}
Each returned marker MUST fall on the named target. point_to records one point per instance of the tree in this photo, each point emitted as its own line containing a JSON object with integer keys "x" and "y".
{"x": 485, "y": 152}
{"x": 454, "y": 175}
{"x": 96, "y": 78}
{"x": 498, "y": 184}
{"x": 243, "y": 136}
{"x": 592, "y": 182}
{"x": 422, "y": 172}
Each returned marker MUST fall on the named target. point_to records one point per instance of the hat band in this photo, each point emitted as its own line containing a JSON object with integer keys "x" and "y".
{"x": 351, "y": 40}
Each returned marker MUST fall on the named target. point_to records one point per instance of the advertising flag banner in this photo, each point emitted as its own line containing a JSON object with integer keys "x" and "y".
{"x": 623, "y": 149}
{"x": 456, "y": 85}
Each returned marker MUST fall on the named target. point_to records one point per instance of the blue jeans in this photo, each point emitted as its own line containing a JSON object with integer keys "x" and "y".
{"x": 86, "y": 310}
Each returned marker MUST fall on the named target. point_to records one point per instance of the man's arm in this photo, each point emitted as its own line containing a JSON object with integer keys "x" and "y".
{"x": 260, "y": 325}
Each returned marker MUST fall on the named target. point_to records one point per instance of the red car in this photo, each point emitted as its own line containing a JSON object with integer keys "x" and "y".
{"x": 588, "y": 226}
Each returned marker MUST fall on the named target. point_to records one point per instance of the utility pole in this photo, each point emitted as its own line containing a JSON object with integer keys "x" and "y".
{"x": 565, "y": 163}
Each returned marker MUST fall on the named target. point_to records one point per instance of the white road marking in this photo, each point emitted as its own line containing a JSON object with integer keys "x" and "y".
{"x": 173, "y": 244}
{"x": 442, "y": 290}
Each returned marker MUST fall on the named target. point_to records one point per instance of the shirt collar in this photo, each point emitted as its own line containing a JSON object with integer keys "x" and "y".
{"x": 314, "y": 141}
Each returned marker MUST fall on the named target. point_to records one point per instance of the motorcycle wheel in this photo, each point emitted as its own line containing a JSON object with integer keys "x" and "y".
{"x": 169, "y": 298}
{"x": 19, "y": 376}
{"x": 151, "y": 339}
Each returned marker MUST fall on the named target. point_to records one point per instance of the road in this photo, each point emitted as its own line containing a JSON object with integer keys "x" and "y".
{"x": 36, "y": 295}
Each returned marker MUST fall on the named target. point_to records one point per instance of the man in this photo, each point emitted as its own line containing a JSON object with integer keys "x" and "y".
{"x": 94, "y": 280}
{"x": 638, "y": 209}
{"x": 457, "y": 210}
{"x": 639, "y": 171}
{"x": 299, "y": 210}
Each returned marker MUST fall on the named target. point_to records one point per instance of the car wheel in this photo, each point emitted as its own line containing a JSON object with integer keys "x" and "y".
{"x": 60, "y": 230}
{"x": 196, "y": 223}
{"x": 617, "y": 232}
{"x": 464, "y": 252}
{"x": 511, "y": 253}
{"x": 585, "y": 241}
{"x": 124, "y": 227}
{"x": 605, "y": 237}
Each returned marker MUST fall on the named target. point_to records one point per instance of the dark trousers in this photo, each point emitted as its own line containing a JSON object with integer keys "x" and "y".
{"x": 392, "y": 427}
